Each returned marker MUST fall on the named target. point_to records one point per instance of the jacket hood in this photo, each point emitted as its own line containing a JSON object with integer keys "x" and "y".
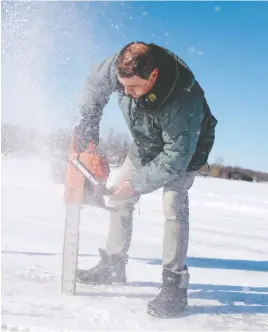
{"x": 173, "y": 74}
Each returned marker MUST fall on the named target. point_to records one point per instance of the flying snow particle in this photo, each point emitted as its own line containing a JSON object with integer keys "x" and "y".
{"x": 191, "y": 49}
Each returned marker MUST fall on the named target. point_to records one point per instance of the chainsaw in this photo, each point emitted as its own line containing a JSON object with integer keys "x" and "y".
{"x": 85, "y": 184}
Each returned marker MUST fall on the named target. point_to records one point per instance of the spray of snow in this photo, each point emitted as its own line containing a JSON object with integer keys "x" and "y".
{"x": 33, "y": 34}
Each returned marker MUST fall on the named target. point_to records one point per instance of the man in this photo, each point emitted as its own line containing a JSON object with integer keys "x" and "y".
{"x": 173, "y": 133}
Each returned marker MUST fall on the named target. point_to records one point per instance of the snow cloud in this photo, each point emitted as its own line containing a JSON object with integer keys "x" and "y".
{"x": 34, "y": 34}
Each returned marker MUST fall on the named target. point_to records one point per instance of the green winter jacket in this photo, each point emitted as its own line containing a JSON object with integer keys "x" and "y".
{"x": 172, "y": 127}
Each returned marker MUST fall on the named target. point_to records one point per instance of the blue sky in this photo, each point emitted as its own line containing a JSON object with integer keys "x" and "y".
{"x": 224, "y": 43}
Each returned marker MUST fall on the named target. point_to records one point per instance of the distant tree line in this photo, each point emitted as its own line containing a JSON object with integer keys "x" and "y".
{"x": 116, "y": 147}
{"x": 22, "y": 140}
{"x": 217, "y": 169}
{"x": 18, "y": 139}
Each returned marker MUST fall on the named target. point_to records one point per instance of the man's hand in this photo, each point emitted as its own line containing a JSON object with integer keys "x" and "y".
{"x": 125, "y": 190}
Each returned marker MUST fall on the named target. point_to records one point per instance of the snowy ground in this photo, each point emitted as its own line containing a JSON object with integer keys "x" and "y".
{"x": 228, "y": 258}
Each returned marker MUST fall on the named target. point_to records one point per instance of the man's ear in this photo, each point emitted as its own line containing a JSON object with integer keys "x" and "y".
{"x": 154, "y": 75}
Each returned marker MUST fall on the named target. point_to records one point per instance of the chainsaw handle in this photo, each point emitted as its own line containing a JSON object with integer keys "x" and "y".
{"x": 108, "y": 191}
{"x": 84, "y": 171}
{"x": 90, "y": 177}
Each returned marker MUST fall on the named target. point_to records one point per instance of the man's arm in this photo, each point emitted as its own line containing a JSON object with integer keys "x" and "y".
{"x": 99, "y": 86}
{"x": 180, "y": 132}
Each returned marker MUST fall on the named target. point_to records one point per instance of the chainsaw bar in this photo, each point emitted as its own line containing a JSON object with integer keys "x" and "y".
{"x": 70, "y": 249}
{"x": 76, "y": 174}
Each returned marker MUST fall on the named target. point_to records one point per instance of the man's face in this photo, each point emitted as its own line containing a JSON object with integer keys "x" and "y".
{"x": 136, "y": 86}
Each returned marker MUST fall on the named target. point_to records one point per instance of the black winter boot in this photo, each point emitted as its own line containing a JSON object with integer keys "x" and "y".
{"x": 109, "y": 270}
{"x": 172, "y": 299}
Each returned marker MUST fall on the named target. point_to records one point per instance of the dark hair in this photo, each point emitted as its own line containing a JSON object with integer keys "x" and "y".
{"x": 136, "y": 58}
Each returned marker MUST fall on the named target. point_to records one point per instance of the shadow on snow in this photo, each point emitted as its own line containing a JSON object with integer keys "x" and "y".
{"x": 200, "y": 262}
{"x": 233, "y": 299}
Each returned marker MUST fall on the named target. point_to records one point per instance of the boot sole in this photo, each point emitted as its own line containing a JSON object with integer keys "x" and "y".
{"x": 108, "y": 283}
{"x": 174, "y": 314}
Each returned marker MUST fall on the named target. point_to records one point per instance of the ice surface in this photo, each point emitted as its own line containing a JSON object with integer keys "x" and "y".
{"x": 228, "y": 258}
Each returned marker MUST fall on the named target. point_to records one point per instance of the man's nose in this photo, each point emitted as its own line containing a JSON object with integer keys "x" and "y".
{"x": 127, "y": 90}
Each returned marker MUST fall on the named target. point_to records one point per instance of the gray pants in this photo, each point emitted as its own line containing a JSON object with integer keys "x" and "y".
{"x": 176, "y": 212}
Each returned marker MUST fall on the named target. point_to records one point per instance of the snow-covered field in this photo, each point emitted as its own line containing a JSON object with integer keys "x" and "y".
{"x": 228, "y": 258}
